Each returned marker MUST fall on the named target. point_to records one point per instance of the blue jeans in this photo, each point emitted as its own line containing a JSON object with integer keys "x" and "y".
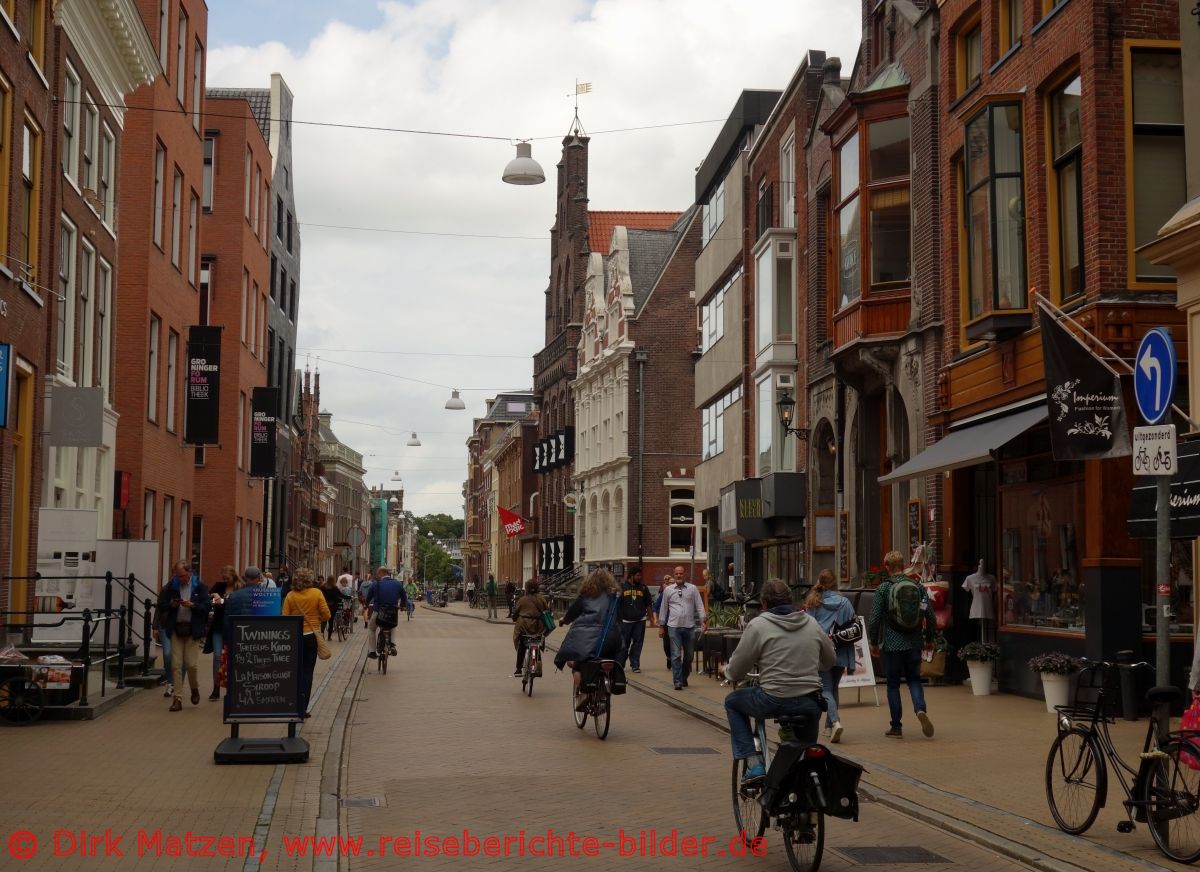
{"x": 903, "y": 665}
{"x": 633, "y": 634}
{"x": 829, "y": 689}
{"x": 754, "y": 702}
{"x": 683, "y": 647}
{"x": 218, "y": 642}
{"x": 165, "y": 638}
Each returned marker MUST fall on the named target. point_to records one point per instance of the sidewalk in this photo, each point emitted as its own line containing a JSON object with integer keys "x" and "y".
{"x": 980, "y": 776}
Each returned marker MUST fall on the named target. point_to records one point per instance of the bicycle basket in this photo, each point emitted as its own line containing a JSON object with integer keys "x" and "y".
{"x": 1093, "y": 679}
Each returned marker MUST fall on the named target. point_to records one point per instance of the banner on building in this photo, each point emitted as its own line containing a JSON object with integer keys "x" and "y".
{"x": 264, "y": 407}
{"x": 76, "y": 417}
{"x": 1084, "y": 397}
{"x": 202, "y": 405}
{"x": 514, "y": 524}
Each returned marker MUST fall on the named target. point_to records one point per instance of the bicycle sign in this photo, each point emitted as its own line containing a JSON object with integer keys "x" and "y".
{"x": 1154, "y": 450}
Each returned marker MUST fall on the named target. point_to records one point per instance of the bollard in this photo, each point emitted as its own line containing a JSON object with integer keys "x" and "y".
{"x": 147, "y": 632}
{"x": 1124, "y": 660}
{"x": 86, "y": 655}
{"x": 121, "y": 650}
{"x": 108, "y": 610}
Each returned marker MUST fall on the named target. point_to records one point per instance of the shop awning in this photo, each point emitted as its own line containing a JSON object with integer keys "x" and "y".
{"x": 968, "y": 446}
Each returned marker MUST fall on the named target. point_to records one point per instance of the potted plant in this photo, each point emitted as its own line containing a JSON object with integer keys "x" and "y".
{"x": 1056, "y": 669}
{"x": 981, "y": 659}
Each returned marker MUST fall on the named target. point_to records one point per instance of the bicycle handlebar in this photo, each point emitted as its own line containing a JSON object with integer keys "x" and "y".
{"x": 1085, "y": 663}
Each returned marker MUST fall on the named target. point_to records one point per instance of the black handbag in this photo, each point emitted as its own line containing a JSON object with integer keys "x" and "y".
{"x": 847, "y": 634}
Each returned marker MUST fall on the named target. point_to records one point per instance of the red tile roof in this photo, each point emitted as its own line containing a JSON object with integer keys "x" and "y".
{"x": 601, "y": 224}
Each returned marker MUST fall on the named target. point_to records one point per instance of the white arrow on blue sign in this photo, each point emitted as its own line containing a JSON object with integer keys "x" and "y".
{"x": 1154, "y": 372}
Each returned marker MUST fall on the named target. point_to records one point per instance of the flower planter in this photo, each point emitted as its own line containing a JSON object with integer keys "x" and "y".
{"x": 1057, "y": 689}
{"x": 981, "y": 676}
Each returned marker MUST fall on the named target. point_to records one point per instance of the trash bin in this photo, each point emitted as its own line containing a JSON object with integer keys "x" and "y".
{"x": 1124, "y": 661}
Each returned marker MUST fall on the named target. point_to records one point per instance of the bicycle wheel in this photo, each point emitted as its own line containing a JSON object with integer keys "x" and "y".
{"x": 21, "y": 702}
{"x": 804, "y": 840}
{"x": 1172, "y": 795}
{"x": 527, "y": 679}
{"x": 747, "y": 813}
{"x": 601, "y": 708}
{"x": 580, "y": 716}
{"x": 1076, "y": 781}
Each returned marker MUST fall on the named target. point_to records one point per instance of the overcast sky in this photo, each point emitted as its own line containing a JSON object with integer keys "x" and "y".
{"x": 460, "y": 303}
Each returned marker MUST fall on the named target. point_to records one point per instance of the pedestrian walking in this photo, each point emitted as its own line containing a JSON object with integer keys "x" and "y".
{"x": 679, "y": 615}
{"x": 832, "y": 611}
{"x": 510, "y": 594}
{"x": 471, "y": 591}
{"x": 490, "y": 591}
{"x": 410, "y": 591}
{"x": 214, "y": 643}
{"x": 901, "y": 622}
{"x": 634, "y": 610}
{"x": 184, "y": 604}
{"x": 333, "y": 601}
{"x": 307, "y": 601}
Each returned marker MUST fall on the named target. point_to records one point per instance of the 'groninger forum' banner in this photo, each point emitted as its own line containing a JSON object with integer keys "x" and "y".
{"x": 202, "y": 408}
{"x": 1084, "y": 397}
{"x": 264, "y": 409}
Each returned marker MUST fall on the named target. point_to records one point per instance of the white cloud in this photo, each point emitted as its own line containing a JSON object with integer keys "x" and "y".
{"x": 498, "y": 69}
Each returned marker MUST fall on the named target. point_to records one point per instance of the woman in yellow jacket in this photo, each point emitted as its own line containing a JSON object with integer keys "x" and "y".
{"x": 309, "y": 602}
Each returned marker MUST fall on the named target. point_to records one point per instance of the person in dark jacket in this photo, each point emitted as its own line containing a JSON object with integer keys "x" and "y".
{"x": 528, "y": 617}
{"x": 634, "y": 610}
{"x": 594, "y": 633}
{"x": 183, "y": 606}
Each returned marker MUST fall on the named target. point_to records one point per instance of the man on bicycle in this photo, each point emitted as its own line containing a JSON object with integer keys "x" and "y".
{"x": 791, "y": 650}
{"x": 385, "y": 595}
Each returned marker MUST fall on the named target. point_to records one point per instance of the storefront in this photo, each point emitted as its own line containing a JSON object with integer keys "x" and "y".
{"x": 767, "y": 515}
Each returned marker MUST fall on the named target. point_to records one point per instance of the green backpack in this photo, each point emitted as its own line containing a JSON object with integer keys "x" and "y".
{"x": 904, "y": 605}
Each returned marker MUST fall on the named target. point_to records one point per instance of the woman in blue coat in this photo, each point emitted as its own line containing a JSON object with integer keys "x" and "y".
{"x": 832, "y": 610}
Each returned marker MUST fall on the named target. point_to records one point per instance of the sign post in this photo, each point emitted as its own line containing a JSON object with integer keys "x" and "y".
{"x": 1154, "y": 375}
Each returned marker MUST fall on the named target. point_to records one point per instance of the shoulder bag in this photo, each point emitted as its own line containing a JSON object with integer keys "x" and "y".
{"x": 323, "y": 650}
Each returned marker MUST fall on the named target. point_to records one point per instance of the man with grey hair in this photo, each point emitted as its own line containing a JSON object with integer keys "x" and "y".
{"x": 790, "y": 650}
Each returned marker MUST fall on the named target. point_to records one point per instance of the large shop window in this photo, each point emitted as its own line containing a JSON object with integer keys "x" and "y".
{"x": 848, "y": 221}
{"x": 995, "y": 212}
{"x": 1180, "y": 573}
{"x": 1158, "y": 156}
{"x": 1068, "y": 172}
{"x": 1041, "y": 584}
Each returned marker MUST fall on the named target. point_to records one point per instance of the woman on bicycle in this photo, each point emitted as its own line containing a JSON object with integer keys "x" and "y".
{"x": 593, "y": 623}
{"x": 528, "y": 616}
{"x": 832, "y": 610}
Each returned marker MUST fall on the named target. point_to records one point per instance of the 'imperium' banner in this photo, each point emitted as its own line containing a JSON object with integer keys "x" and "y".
{"x": 202, "y": 408}
{"x": 264, "y": 408}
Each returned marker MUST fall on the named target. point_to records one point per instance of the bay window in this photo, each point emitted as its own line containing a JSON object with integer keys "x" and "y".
{"x": 1158, "y": 186}
{"x": 773, "y": 294}
{"x": 712, "y": 214}
{"x": 848, "y": 221}
{"x": 994, "y": 220}
{"x": 1068, "y": 172}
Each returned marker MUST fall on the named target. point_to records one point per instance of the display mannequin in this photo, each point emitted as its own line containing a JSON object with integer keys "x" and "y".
{"x": 982, "y": 588}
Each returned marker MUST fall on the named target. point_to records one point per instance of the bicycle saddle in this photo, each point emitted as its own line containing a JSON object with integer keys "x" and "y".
{"x": 1167, "y": 694}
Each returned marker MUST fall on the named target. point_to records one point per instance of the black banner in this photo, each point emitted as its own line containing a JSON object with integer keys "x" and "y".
{"x": 1085, "y": 400}
{"x": 202, "y": 406}
{"x": 264, "y": 407}
{"x": 264, "y": 668}
{"x": 1185, "y": 498}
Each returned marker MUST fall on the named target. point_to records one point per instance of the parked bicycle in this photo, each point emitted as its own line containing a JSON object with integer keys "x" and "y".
{"x": 533, "y": 662}
{"x": 1162, "y": 791}
{"x": 805, "y": 781}
{"x": 596, "y": 683}
{"x": 343, "y": 622}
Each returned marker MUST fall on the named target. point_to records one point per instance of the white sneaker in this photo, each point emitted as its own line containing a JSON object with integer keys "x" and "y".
{"x": 170, "y": 691}
{"x": 835, "y": 733}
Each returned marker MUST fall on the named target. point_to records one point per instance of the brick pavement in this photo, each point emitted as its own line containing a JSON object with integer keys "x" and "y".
{"x": 446, "y": 740}
{"x": 140, "y": 767}
{"x": 982, "y": 774}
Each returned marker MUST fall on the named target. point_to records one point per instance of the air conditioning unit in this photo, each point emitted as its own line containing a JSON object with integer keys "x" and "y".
{"x": 785, "y": 381}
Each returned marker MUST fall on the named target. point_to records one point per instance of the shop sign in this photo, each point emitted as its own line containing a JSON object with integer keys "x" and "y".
{"x": 202, "y": 402}
{"x": 77, "y": 417}
{"x": 1185, "y": 498}
{"x": 1084, "y": 397}
{"x": 741, "y": 511}
{"x": 264, "y": 407}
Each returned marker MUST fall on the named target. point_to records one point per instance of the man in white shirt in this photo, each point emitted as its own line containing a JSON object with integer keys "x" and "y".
{"x": 681, "y": 612}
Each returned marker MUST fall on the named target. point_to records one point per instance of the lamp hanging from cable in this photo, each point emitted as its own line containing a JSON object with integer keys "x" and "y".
{"x": 455, "y": 403}
{"x": 523, "y": 169}
{"x": 396, "y": 476}
{"x": 413, "y": 441}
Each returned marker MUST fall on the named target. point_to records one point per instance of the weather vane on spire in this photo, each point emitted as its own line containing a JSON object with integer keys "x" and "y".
{"x": 576, "y": 124}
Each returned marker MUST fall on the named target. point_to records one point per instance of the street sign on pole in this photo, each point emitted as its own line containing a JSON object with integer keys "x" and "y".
{"x": 1154, "y": 372}
{"x": 1154, "y": 450}
{"x": 356, "y": 536}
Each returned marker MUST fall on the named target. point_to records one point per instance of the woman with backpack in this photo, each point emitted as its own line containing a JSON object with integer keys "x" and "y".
{"x": 833, "y": 612}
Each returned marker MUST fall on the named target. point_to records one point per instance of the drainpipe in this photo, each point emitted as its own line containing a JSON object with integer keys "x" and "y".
{"x": 640, "y": 357}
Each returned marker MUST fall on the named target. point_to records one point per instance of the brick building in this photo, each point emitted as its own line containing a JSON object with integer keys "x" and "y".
{"x": 512, "y": 471}
{"x": 636, "y": 442}
{"x": 158, "y": 280}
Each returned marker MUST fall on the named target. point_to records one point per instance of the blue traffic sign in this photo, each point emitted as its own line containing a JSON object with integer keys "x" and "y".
{"x": 1154, "y": 371}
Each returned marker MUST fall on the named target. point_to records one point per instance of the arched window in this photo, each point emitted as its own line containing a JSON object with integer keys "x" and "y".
{"x": 682, "y": 520}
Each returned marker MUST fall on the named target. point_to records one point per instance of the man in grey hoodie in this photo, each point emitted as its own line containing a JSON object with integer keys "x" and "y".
{"x": 791, "y": 650}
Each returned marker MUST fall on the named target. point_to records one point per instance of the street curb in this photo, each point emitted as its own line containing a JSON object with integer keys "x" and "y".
{"x": 330, "y": 817}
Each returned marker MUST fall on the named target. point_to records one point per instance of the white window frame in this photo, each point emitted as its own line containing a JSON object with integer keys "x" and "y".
{"x": 245, "y": 293}
{"x": 70, "y": 116}
{"x": 241, "y": 427}
{"x": 67, "y": 278}
{"x": 108, "y": 168}
{"x": 787, "y": 183}
{"x": 257, "y": 199}
{"x": 765, "y": 424}
{"x": 712, "y": 214}
{"x": 148, "y": 515}
{"x": 167, "y": 519}
{"x": 197, "y": 68}
{"x": 152, "y": 369}
{"x": 87, "y": 326}
{"x": 210, "y": 168}
{"x": 176, "y": 217}
{"x": 160, "y": 167}
{"x": 104, "y": 327}
{"x": 164, "y": 31}
{"x": 185, "y": 523}
{"x": 252, "y": 331}
{"x": 172, "y": 376}
{"x": 249, "y": 180}
{"x": 193, "y": 230}
{"x": 91, "y": 139}
{"x": 181, "y": 39}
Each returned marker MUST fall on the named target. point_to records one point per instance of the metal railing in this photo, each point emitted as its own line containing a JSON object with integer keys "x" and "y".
{"x": 89, "y": 623}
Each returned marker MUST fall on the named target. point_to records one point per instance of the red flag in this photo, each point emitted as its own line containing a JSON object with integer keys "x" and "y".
{"x": 514, "y": 525}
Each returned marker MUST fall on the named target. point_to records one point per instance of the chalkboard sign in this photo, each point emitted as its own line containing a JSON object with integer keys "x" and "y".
{"x": 264, "y": 668}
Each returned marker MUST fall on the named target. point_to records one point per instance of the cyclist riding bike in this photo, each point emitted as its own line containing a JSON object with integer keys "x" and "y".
{"x": 791, "y": 650}
{"x": 385, "y": 598}
{"x": 593, "y": 633}
{"x": 528, "y": 617}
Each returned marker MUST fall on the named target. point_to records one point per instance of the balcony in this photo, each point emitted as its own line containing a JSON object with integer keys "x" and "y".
{"x": 879, "y": 315}
{"x": 557, "y": 360}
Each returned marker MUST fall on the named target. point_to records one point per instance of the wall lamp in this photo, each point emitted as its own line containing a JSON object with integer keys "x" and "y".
{"x": 787, "y": 409}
